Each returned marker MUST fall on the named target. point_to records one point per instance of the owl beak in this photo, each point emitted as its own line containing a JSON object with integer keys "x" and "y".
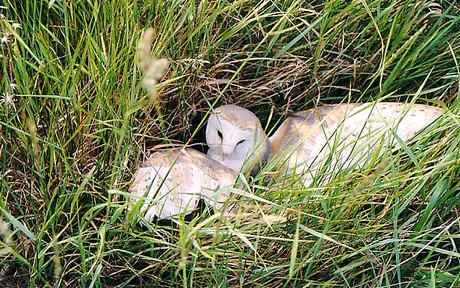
{"x": 224, "y": 156}
{"x": 226, "y": 150}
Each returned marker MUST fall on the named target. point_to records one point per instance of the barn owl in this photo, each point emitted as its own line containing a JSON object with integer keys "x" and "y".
{"x": 235, "y": 138}
{"x": 306, "y": 139}
{"x": 172, "y": 182}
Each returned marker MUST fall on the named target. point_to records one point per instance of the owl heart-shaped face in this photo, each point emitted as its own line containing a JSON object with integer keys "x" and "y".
{"x": 235, "y": 138}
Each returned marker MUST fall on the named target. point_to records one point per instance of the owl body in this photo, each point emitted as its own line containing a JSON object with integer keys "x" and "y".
{"x": 173, "y": 181}
{"x": 346, "y": 134}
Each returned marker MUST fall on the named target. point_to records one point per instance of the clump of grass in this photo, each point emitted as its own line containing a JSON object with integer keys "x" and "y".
{"x": 74, "y": 122}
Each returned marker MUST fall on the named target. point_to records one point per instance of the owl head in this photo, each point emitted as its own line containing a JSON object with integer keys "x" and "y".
{"x": 236, "y": 139}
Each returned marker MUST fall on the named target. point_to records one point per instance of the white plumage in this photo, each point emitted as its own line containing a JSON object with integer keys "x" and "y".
{"x": 235, "y": 138}
{"x": 173, "y": 181}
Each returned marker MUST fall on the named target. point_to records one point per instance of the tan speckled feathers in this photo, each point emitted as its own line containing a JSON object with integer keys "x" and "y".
{"x": 239, "y": 116}
{"x": 173, "y": 181}
{"x": 311, "y": 124}
{"x": 348, "y": 130}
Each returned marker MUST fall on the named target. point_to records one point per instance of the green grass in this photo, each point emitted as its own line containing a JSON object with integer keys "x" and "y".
{"x": 75, "y": 122}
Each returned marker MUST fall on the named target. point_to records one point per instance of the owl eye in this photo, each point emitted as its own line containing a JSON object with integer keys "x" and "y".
{"x": 240, "y": 142}
{"x": 219, "y": 134}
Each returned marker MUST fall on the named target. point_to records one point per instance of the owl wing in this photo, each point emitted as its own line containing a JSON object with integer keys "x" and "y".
{"x": 308, "y": 137}
{"x": 173, "y": 181}
{"x": 406, "y": 119}
{"x": 363, "y": 129}
{"x": 302, "y": 135}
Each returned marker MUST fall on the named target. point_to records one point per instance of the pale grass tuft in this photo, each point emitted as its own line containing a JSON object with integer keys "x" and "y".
{"x": 56, "y": 258}
{"x": 6, "y": 236}
{"x": 34, "y": 137}
{"x": 153, "y": 69}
